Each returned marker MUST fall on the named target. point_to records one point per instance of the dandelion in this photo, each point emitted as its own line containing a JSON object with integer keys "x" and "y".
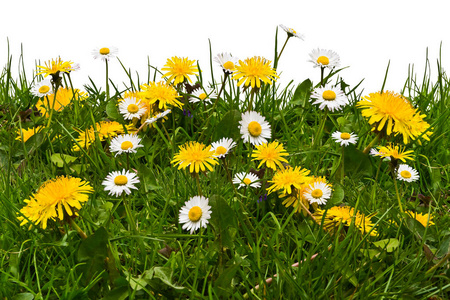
{"x": 201, "y": 95}
{"x": 291, "y": 32}
{"x": 287, "y": 179}
{"x": 271, "y": 154}
{"x": 54, "y": 199}
{"x": 64, "y": 98}
{"x": 127, "y": 143}
{"x": 131, "y": 108}
{"x": 42, "y": 88}
{"x": 195, "y": 213}
{"x": 254, "y": 70}
{"x": 395, "y": 152}
{"x": 105, "y": 53}
{"x": 344, "y": 138}
{"x": 222, "y": 147}
{"x": 226, "y": 62}
{"x": 346, "y": 215}
{"x": 424, "y": 219}
{"x": 393, "y": 114}
{"x": 196, "y": 156}
{"x": 161, "y": 94}
{"x": 54, "y": 68}
{"x": 102, "y": 129}
{"x": 25, "y": 134}
{"x": 118, "y": 182}
{"x": 254, "y": 128}
{"x": 179, "y": 68}
{"x": 406, "y": 173}
{"x": 324, "y": 58}
{"x": 329, "y": 97}
{"x": 318, "y": 192}
{"x": 246, "y": 180}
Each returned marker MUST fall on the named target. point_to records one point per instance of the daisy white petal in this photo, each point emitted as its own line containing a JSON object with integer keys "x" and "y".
{"x": 105, "y": 53}
{"x": 222, "y": 147}
{"x": 202, "y": 95}
{"x": 324, "y": 58}
{"x": 254, "y": 128}
{"x": 226, "y": 62}
{"x": 126, "y": 143}
{"x": 330, "y": 97}
{"x": 344, "y": 138}
{"x": 318, "y": 192}
{"x": 118, "y": 182}
{"x": 291, "y": 32}
{"x": 42, "y": 88}
{"x": 131, "y": 108}
{"x": 406, "y": 173}
{"x": 246, "y": 179}
{"x": 195, "y": 213}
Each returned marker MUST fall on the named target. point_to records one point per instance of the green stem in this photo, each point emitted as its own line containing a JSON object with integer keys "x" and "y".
{"x": 372, "y": 143}
{"x": 129, "y": 215}
{"x": 77, "y": 229}
{"x": 252, "y": 95}
{"x": 398, "y": 195}
{"x": 197, "y": 180}
{"x": 51, "y": 108}
{"x": 229, "y": 176}
{"x": 322, "y": 71}
{"x": 279, "y": 55}
{"x": 107, "y": 79}
{"x": 342, "y": 165}
{"x": 319, "y": 132}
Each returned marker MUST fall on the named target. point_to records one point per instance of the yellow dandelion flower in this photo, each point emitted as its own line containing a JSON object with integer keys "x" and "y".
{"x": 25, "y": 134}
{"x": 395, "y": 152}
{"x": 196, "y": 156}
{"x": 161, "y": 94}
{"x": 104, "y": 130}
{"x": 424, "y": 219}
{"x": 55, "y": 199}
{"x": 64, "y": 98}
{"x": 254, "y": 70}
{"x": 179, "y": 68}
{"x": 346, "y": 215}
{"x": 289, "y": 179}
{"x": 271, "y": 154}
{"x": 394, "y": 113}
{"x": 52, "y": 67}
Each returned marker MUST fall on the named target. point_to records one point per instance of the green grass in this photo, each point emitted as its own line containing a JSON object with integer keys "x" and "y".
{"x": 247, "y": 241}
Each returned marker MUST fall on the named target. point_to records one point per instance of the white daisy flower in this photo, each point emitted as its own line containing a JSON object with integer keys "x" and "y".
{"x": 330, "y": 97}
{"x": 158, "y": 116}
{"x": 246, "y": 179}
{"x": 131, "y": 108}
{"x": 127, "y": 143}
{"x": 324, "y": 58}
{"x": 42, "y": 88}
{"x": 344, "y": 138}
{"x": 375, "y": 152}
{"x": 254, "y": 128}
{"x": 226, "y": 62}
{"x": 118, "y": 182}
{"x": 202, "y": 95}
{"x": 105, "y": 53}
{"x": 291, "y": 32}
{"x": 222, "y": 147}
{"x": 406, "y": 173}
{"x": 318, "y": 192}
{"x": 195, "y": 213}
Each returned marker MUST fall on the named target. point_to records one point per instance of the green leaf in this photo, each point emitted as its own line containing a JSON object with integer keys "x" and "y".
{"x": 337, "y": 196}
{"x": 223, "y": 282}
{"x": 223, "y": 219}
{"x": 60, "y": 159}
{"x": 147, "y": 178}
{"x": 302, "y": 93}
{"x": 111, "y": 110}
{"x": 228, "y": 126}
{"x": 120, "y": 293}
{"x": 93, "y": 252}
{"x": 356, "y": 162}
{"x": 388, "y": 244}
{"x": 23, "y": 296}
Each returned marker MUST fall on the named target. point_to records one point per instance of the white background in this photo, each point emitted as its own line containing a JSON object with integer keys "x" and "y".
{"x": 366, "y": 35}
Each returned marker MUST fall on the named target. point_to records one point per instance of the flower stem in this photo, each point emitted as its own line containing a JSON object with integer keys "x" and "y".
{"x": 129, "y": 215}
{"x": 77, "y": 228}
{"x": 197, "y": 180}
{"x": 252, "y": 95}
{"x": 398, "y": 195}
{"x": 319, "y": 132}
{"x": 107, "y": 81}
{"x": 342, "y": 165}
{"x": 372, "y": 143}
{"x": 279, "y": 55}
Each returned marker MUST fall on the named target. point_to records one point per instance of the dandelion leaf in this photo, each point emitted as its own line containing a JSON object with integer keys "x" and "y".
{"x": 302, "y": 93}
{"x": 228, "y": 126}
{"x": 223, "y": 220}
{"x": 60, "y": 159}
{"x": 93, "y": 252}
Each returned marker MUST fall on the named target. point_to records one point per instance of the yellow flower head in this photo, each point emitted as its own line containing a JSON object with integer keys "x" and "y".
{"x": 52, "y": 67}
{"x": 271, "y": 154}
{"x": 254, "y": 70}
{"x": 54, "y": 199}
{"x": 424, "y": 219}
{"x": 345, "y": 215}
{"x": 394, "y": 114}
{"x": 160, "y": 93}
{"x": 25, "y": 134}
{"x": 289, "y": 179}
{"x": 179, "y": 68}
{"x": 64, "y": 97}
{"x": 104, "y": 130}
{"x": 196, "y": 156}
{"x": 395, "y": 152}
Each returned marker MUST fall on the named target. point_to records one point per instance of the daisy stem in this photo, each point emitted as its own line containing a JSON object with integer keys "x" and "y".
{"x": 250, "y": 104}
{"x": 307, "y": 210}
{"x": 77, "y": 229}
{"x": 129, "y": 215}
{"x": 322, "y": 71}
{"x": 221, "y": 89}
{"x": 197, "y": 180}
{"x": 229, "y": 175}
{"x": 128, "y": 161}
{"x": 398, "y": 195}
{"x": 279, "y": 55}
{"x": 107, "y": 79}
{"x": 51, "y": 108}
{"x": 321, "y": 127}
{"x": 342, "y": 165}
{"x": 372, "y": 143}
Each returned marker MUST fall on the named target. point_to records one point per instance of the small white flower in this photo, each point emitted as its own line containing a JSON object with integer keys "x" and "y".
{"x": 202, "y": 95}
{"x": 105, "y": 53}
{"x": 42, "y": 88}
{"x": 226, "y": 62}
{"x": 222, "y": 147}
{"x": 131, "y": 108}
{"x": 195, "y": 213}
{"x": 118, "y": 182}
{"x": 329, "y": 97}
{"x": 254, "y": 128}
{"x": 158, "y": 116}
{"x": 375, "y": 152}
{"x": 344, "y": 138}
{"x": 246, "y": 179}
{"x": 406, "y": 173}
{"x": 127, "y": 143}
{"x": 292, "y": 32}
{"x": 318, "y": 192}
{"x": 324, "y": 58}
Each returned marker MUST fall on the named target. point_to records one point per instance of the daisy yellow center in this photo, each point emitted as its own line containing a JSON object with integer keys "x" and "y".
{"x": 317, "y": 193}
{"x": 292, "y": 31}
{"x": 104, "y": 51}
{"x": 195, "y": 213}
{"x": 228, "y": 65}
{"x": 329, "y": 95}
{"x": 405, "y": 174}
{"x": 44, "y": 89}
{"x": 133, "y": 108}
{"x": 254, "y": 128}
{"x": 345, "y": 136}
{"x": 221, "y": 150}
{"x": 126, "y": 145}
{"x": 121, "y": 180}
{"x": 202, "y": 96}
{"x": 323, "y": 60}
{"x": 247, "y": 181}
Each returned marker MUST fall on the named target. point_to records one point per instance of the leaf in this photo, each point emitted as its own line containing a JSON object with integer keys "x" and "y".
{"x": 147, "y": 178}
{"x": 228, "y": 126}
{"x": 302, "y": 93}
{"x": 59, "y": 159}
{"x": 112, "y": 110}
{"x": 223, "y": 282}
{"x": 223, "y": 219}
{"x": 93, "y": 252}
{"x": 387, "y": 244}
{"x": 23, "y": 296}
{"x": 356, "y": 162}
{"x": 120, "y": 293}
{"x": 337, "y": 196}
